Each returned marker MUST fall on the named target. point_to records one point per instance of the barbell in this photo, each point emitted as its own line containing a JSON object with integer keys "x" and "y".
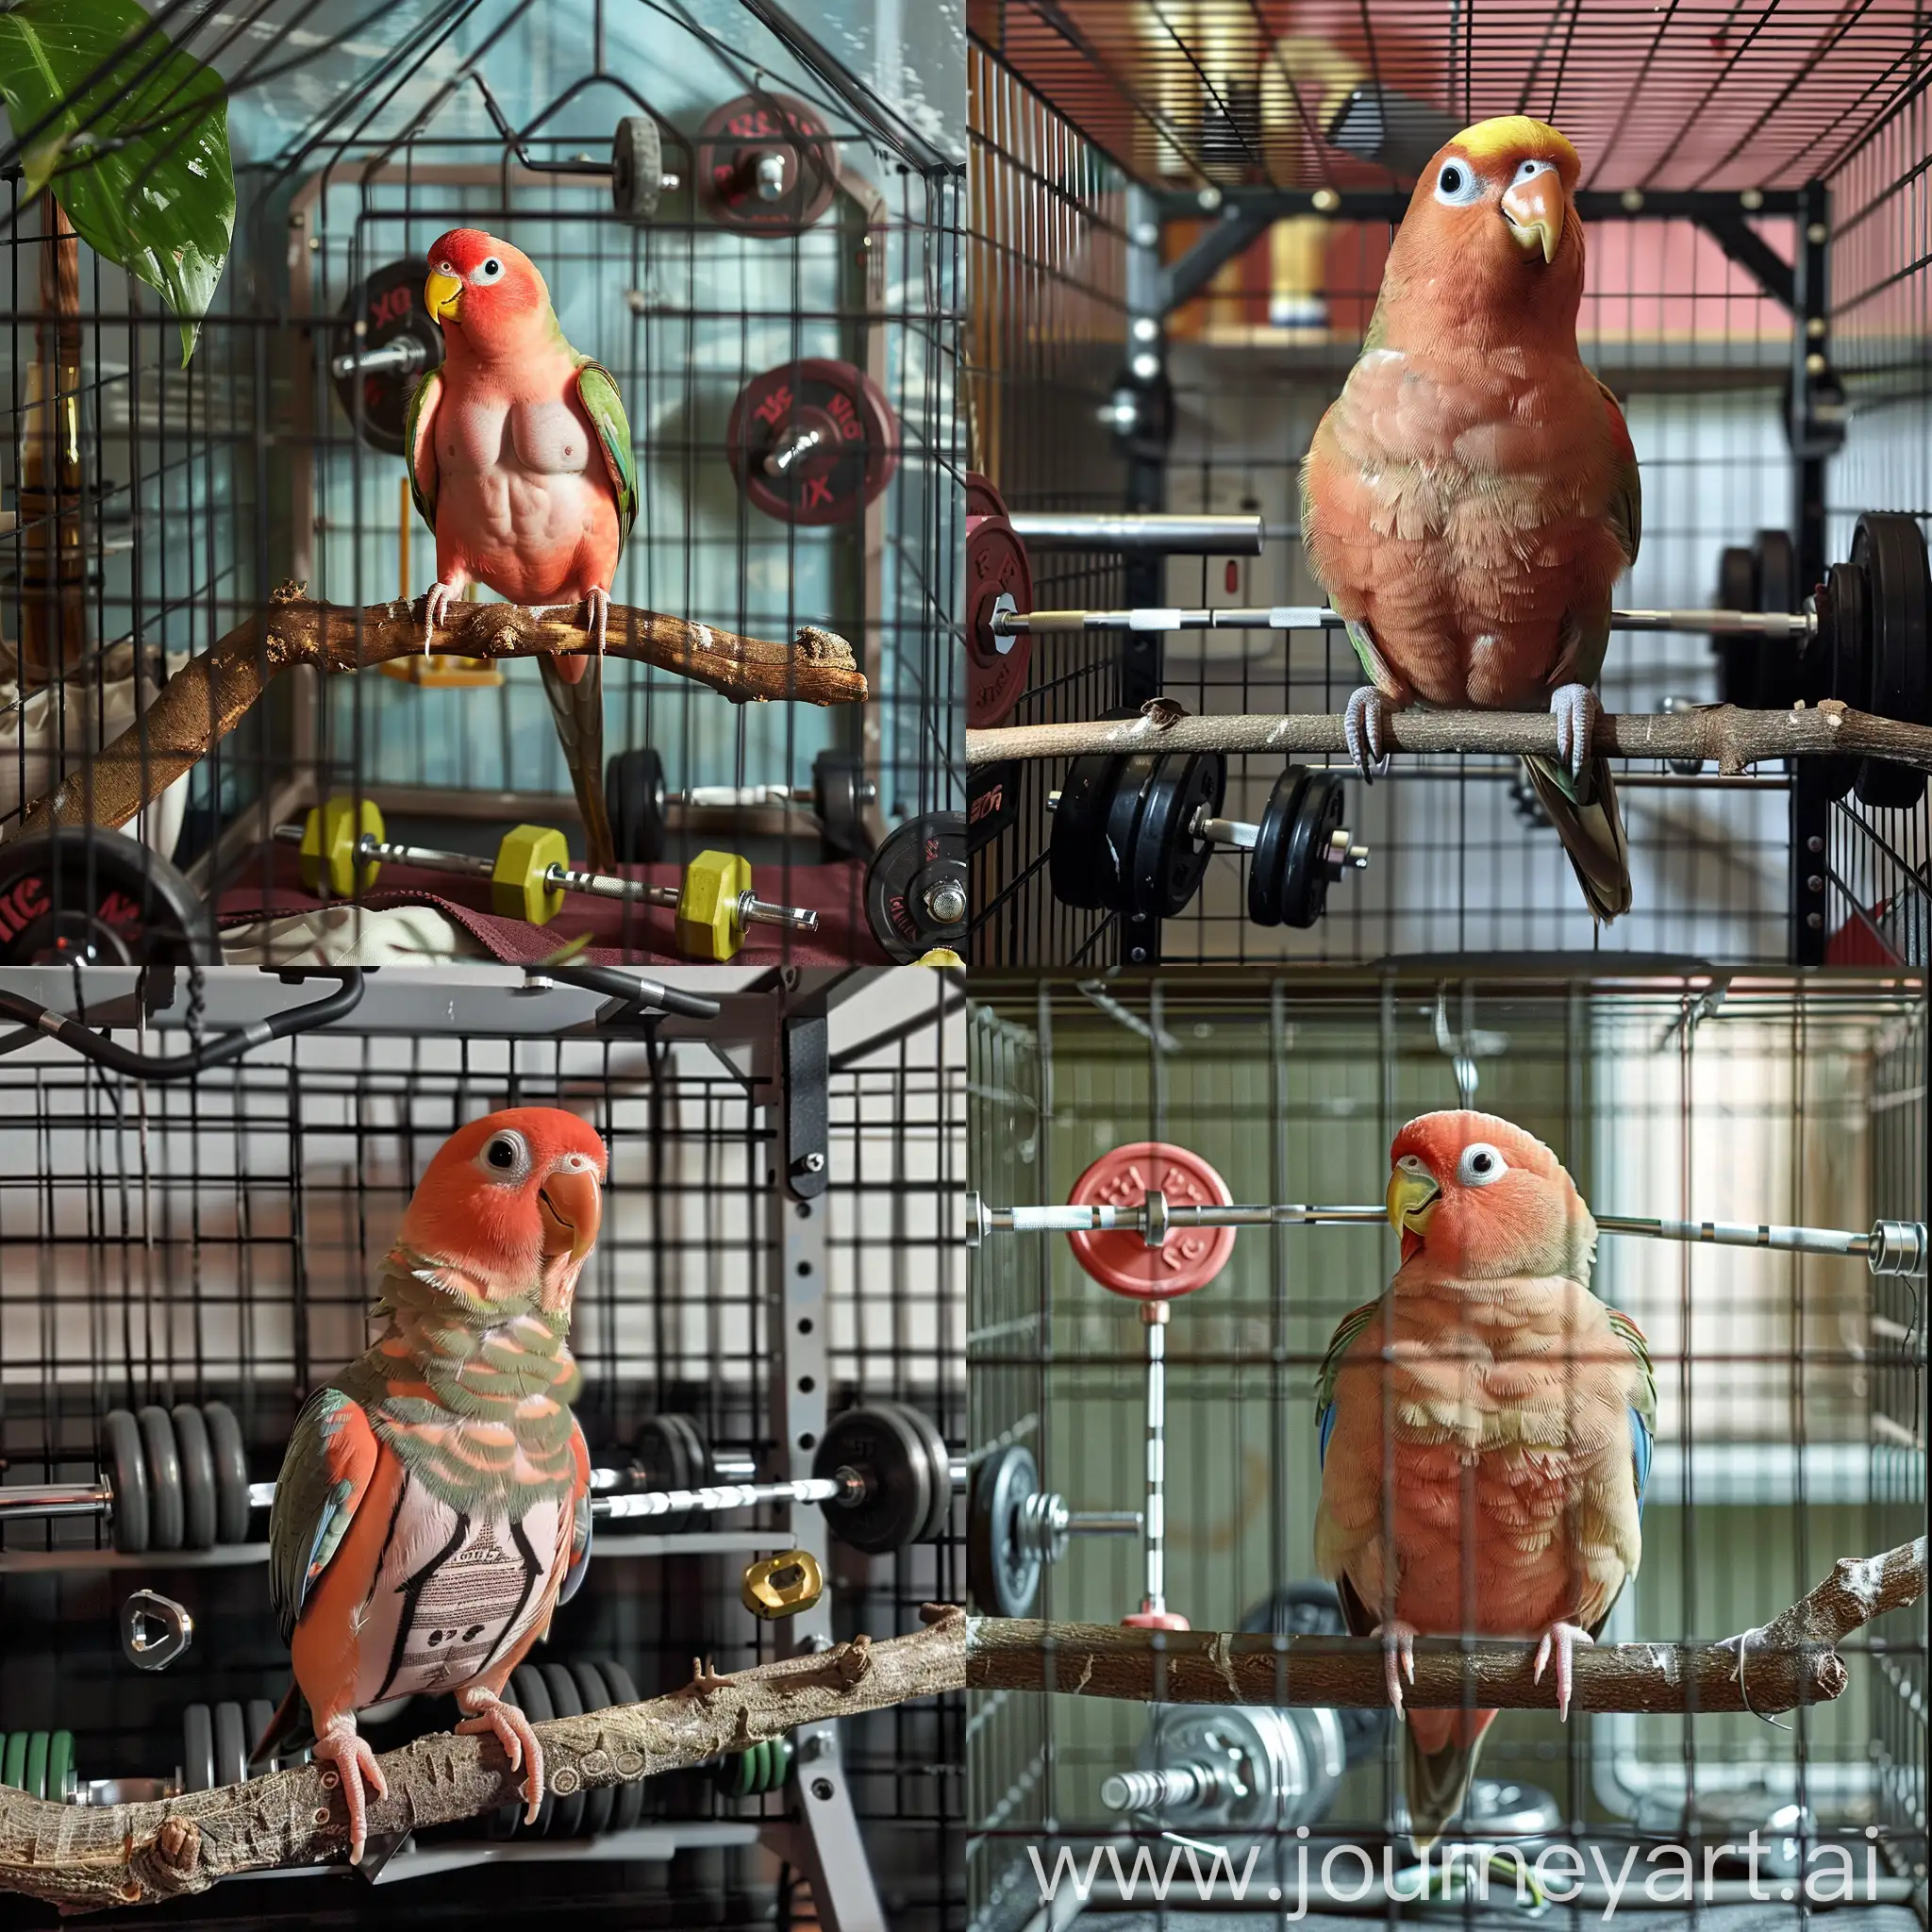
{"x": 1014, "y": 1527}
{"x": 637, "y": 800}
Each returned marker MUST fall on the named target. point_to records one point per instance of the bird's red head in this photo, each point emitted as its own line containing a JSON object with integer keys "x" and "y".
{"x": 511, "y": 1199}
{"x": 1491, "y": 239}
{"x": 488, "y": 296}
{"x": 1483, "y": 1200}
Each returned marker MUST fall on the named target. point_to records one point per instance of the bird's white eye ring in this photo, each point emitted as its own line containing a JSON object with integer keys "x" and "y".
{"x": 1480, "y": 1166}
{"x": 505, "y": 1155}
{"x": 1529, "y": 170}
{"x": 1457, "y": 183}
{"x": 491, "y": 271}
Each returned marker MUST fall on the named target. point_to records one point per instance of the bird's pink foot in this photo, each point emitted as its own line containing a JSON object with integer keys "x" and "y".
{"x": 1398, "y": 1656}
{"x": 434, "y": 608}
{"x": 1560, "y": 1640}
{"x": 354, "y": 1761}
{"x": 1365, "y": 721}
{"x": 597, "y": 616}
{"x": 1575, "y": 708}
{"x": 521, "y": 1745}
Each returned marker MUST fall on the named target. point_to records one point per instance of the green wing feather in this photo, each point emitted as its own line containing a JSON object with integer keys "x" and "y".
{"x": 326, "y": 1471}
{"x": 422, "y": 475}
{"x": 598, "y": 393}
{"x": 1340, "y": 1343}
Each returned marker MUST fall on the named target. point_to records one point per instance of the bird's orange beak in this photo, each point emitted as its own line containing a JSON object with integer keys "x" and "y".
{"x": 572, "y": 1204}
{"x": 1534, "y": 210}
{"x": 1412, "y": 1199}
{"x": 439, "y": 295}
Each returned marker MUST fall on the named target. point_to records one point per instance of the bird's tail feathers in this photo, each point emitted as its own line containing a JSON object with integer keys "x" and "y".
{"x": 291, "y": 1731}
{"x": 1437, "y": 1766}
{"x": 1585, "y": 814}
{"x": 577, "y": 704}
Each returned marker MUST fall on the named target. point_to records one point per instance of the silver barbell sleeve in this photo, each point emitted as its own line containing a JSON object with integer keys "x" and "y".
{"x": 1174, "y": 535}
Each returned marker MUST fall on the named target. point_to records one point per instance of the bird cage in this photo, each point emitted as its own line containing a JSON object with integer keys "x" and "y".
{"x": 1179, "y": 223}
{"x": 777, "y": 1255}
{"x": 760, "y": 245}
{"x": 1791, "y": 1397}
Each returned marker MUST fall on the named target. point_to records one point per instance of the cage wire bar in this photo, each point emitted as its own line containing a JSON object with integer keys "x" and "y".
{"x": 217, "y": 1240}
{"x": 1757, "y": 299}
{"x": 1792, "y": 1390}
{"x": 199, "y": 490}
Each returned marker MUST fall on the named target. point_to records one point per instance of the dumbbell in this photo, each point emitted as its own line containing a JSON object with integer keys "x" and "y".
{"x": 916, "y": 898}
{"x": 343, "y": 847}
{"x": 767, "y": 162}
{"x": 1133, "y": 835}
{"x": 171, "y": 1479}
{"x": 41, "y": 1763}
{"x": 1014, "y": 1527}
{"x": 636, "y": 801}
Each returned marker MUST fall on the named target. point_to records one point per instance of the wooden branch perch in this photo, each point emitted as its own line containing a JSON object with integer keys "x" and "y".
{"x": 1734, "y": 738}
{"x": 79, "y": 1857}
{"x": 213, "y": 694}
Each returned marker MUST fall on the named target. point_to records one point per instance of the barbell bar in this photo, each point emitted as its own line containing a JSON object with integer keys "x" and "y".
{"x": 1010, "y": 623}
{"x": 1164, "y": 533}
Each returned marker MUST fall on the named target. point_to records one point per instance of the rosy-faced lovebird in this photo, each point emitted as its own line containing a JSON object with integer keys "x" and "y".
{"x": 520, "y": 461}
{"x": 1485, "y": 1431}
{"x": 433, "y": 1508}
{"x": 1472, "y": 496}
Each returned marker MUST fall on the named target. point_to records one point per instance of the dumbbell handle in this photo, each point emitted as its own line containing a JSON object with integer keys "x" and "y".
{"x": 404, "y": 354}
{"x": 752, "y": 910}
{"x": 1011, "y": 623}
{"x": 1244, "y": 836}
{"x": 1171, "y": 1788}
{"x": 1170, "y": 535}
{"x": 1892, "y": 1247}
{"x": 38, "y": 1501}
{"x": 743, "y": 797}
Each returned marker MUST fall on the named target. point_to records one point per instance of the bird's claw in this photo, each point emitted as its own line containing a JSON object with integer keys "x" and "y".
{"x": 1560, "y": 1640}
{"x": 434, "y": 608}
{"x": 511, "y": 1729}
{"x": 1398, "y": 1656}
{"x": 1575, "y": 708}
{"x": 597, "y": 616}
{"x": 354, "y": 1761}
{"x": 1363, "y": 722}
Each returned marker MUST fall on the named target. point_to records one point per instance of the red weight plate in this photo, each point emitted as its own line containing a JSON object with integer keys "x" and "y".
{"x": 1155, "y": 1619}
{"x": 995, "y": 564}
{"x": 831, "y": 478}
{"x": 982, "y": 499}
{"x": 767, "y": 162}
{"x": 1188, "y": 1259}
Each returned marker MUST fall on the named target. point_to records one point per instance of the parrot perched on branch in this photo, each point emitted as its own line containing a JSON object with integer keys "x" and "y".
{"x": 1472, "y": 496}
{"x": 1485, "y": 1430}
{"x": 520, "y": 461}
{"x": 433, "y": 1506}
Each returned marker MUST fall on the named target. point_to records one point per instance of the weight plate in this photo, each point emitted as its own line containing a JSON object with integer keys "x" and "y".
{"x": 1164, "y": 860}
{"x": 13, "y": 1759}
{"x": 670, "y": 1453}
{"x": 1736, "y": 657}
{"x": 813, "y": 442}
{"x": 839, "y": 797}
{"x": 390, "y": 306}
{"x": 260, "y": 1714}
{"x": 80, "y": 895}
{"x": 1841, "y": 665}
{"x": 533, "y": 1699}
{"x": 563, "y": 1817}
{"x": 63, "y": 1779}
{"x": 886, "y": 1447}
{"x": 938, "y": 1463}
{"x": 1305, "y": 879}
{"x": 1774, "y": 564}
{"x": 1268, "y": 880}
{"x": 598, "y": 1799}
{"x": 634, "y": 803}
{"x": 1188, "y": 1259}
{"x": 197, "y": 1477}
{"x": 915, "y": 888}
{"x": 629, "y": 1806}
{"x": 1893, "y": 554}
{"x": 1080, "y": 864}
{"x": 982, "y": 498}
{"x": 35, "y": 1782}
{"x": 1313, "y": 1609}
{"x": 231, "y": 1745}
{"x": 637, "y": 167}
{"x": 1001, "y": 1571}
{"x": 197, "y": 1749}
{"x": 163, "y": 1458}
{"x": 125, "y": 1470}
{"x": 996, "y": 667}
{"x": 230, "y": 1456}
{"x": 768, "y": 163}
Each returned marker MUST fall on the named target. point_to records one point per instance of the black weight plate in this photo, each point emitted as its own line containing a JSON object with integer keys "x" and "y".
{"x": 1132, "y": 783}
{"x": 939, "y": 1464}
{"x": 593, "y": 1696}
{"x": 1775, "y": 567}
{"x": 634, "y": 803}
{"x": 533, "y": 1699}
{"x": 1736, "y": 657}
{"x": 230, "y": 1456}
{"x": 629, "y": 1806}
{"x": 918, "y": 859}
{"x": 884, "y": 1446}
{"x": 837, "y": 793}
{"x": 1165, "y": 861}
{"x": 1893, "y": 553}
{"x": 387, "y": 304}
{"x": 1268, "y": 879}
{"x": 670, "y": 1455}
{"x": 565, "y": 1816}
{"x": 1305, "y": 895}
{"x": 83, "y": 896}
{"x": 163, "y": 1457}
{"x": 197, "y": 1748}
{"x": 1312, "y": 1610}
{"x": 1080, "y": 866}
{"x": 231, "y": 1745}
{"x": 199, "y": 1510}
{"x": 637, "y": 167}
{"x": 1843, "y": 667}
{"x": 1003, "y": 1575}
{"x": 259, "y": 1715}
{"x": 125, "y": 1468}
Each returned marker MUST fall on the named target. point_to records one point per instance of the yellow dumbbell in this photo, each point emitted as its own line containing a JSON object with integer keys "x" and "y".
{"x": 531, "y": 873}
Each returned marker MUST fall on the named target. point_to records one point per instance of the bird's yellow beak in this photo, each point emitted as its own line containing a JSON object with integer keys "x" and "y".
{"x": 439, "y": 295}
{"x": 1411, "y": 1200}
{"x": 1534, "y": 210}
{"x": 572, "y": 1204}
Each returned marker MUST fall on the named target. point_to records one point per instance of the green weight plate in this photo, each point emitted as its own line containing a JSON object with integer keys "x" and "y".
{"x": 35, "y": 1782}
{"x": 63, "y": 1779}
{"x": 13, "y": 1759}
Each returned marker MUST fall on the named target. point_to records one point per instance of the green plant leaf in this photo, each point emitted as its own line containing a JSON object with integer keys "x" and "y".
{"x": 139, "y": 158}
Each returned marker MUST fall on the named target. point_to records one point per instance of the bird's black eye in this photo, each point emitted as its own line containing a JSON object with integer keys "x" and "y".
{"x": 1482, "y": 1163}
{"x": 1480, "y": 1166}
{"x": 502, "y": 1154}
{"x": 506, "y": 1153}
{"x": 1452, "y": 180}
{"x": 493, "y": 267}
{"x": 1457, "y": 183}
